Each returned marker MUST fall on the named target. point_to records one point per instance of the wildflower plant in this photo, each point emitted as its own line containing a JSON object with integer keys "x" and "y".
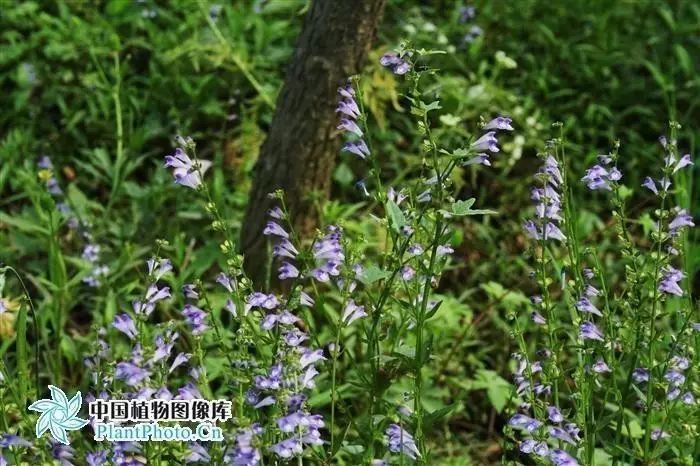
{"x": 606, "y": 375}
{"x": 259, "y": 344}
{"x": 328, "y": 359}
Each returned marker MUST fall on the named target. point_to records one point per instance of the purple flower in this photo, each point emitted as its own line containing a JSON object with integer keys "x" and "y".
{"x": 680, "y": 362}
{"x": 143, "y": 308}
{"x": 350, "y": 126}
{"x": 179, "y": 360}
{"x": 307, "y": 378}
{"x": 274, "y": 229}
{"x": 657, "y": 434}
{"x": 397, "y": 197}
{"x": 541, "y": 449}
{"x": 683, "y": 162}
{"x": 673, "y": 393}
{"x": 591, "y": 291}
{"x": 527, "y": 446}
{"x": 408, "y": 273}
{"x": 598, "y": 177}
{"x": 284, "y": 248}
{"x": 359, "y": 148}
{"x": 164, "y": 348}
{"x": 640, "y": 375}
{"x": 674, "y": 378}
{"x": 225, "y": 281}
{"x": 287, "y": 270}
{"x": 91, "y": 252}
{"x": 164, "y": 266}
{"x": 276, "y": 213}
{"x": 130, "y": 373}
{"x": 538, "y": 318}
{"x": 682, "y": 219}
{"x": 190, "y": 291}
{"x": 585, "y": 305}
{"x": 589, "y": 331}
{"x": 11, "y": 440}
{"x": 266, "y": 301}
{"x": 287, "y": 448}
{"x": 295, "y": 337}
{"x": 273, "y": 380}
{"x": 188, "y": 392}
{"x": 230, "y": 306}
{"x": 650, "y": 185}
{"x": 155, "y": 294}
{"x": 349, "y": 108}
{"x": 352, "y": 312}
{"x": 487, "y": 142}
{"x": 53, "y": 187}
{"x": 688, "y": 398}
{"x": 244, "y": 453}
{"x": 562, "y": 458}
{"x": 605, "y": 159}
{"x": 400, "y": 441}
{"x": 45, "y": 162}
{"x": 521, "y": 421}
{"x": 186, "y": 171}
{"x": 466, "y": 13}
{"x": 561, "y": 434}
{"x": 298, "y": 419}
{"x": 480, "y": 159}
{"x": 97, "y": 458}
{"x": 554, "y": 414}
{"x": 269, "y": 322}
{"x": 195, "y": 318}
{"x": 444, "y": 249}
{"x": 347, "y": 91}
{"x": 552, "y": 231}
{"x": 474, "y": 32}
{"x": 600, "y": 367}
{"x": 502, "y": 123}
{"x": 669, "y": 281}
{"x": 63, "y": 453}
{"x": 125, "y": 324}
{"x": 395, "y": 63}
{"x": 310, "y": 357}
{"x": 547, "y": 203}
{"x": 305, "y": 299}
{"x": 197, "y": 453}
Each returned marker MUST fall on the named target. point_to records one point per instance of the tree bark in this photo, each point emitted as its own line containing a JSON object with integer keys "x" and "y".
{"x": 299, "y": 153}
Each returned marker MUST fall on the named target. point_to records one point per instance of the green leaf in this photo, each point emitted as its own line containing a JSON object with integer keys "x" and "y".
{"x": 343, "y": 175}
{"x": 373, "y": 274}
{"x": 396, "y": 217}
{"x": 450, "y": 120}
{"x": 435, "y": 105}
{"x": 498, "y": 389}
{"x": 463, "y": 208}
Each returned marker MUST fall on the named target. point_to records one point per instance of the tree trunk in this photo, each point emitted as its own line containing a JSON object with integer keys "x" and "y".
{"x": 299, "y": 153}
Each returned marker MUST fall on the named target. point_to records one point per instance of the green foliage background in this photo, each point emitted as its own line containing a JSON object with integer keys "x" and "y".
{"x": 102, "y": 87}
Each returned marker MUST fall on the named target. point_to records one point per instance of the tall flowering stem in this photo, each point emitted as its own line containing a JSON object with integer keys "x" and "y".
{"x": 417, "y": 220}
{"x": 621, "y": 349}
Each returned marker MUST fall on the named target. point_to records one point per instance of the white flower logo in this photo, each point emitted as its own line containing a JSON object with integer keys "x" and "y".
{"x": 58, "y": 414}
